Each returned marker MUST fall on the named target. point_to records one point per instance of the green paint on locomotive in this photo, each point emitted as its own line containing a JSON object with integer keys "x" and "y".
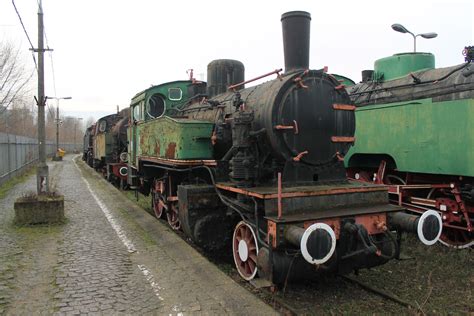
{"x": 171, "y": 138}
{"x": 400, "y": 65}
{"x": 417, "y": 135}
{"x": 153, "y": 134}
{"x": 344, "y": 80}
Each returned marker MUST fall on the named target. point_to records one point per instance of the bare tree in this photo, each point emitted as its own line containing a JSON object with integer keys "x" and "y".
{"x": 14, "y": 76}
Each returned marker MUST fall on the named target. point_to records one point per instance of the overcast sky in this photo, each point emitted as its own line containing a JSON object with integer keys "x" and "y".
{"x": 105, "y": 51}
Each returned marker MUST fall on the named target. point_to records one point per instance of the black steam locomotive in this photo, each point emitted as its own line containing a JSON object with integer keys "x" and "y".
{"x": 260, "y": 169}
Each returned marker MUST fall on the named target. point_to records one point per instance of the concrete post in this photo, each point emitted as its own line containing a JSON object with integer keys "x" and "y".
{"x": 42, "y": 172}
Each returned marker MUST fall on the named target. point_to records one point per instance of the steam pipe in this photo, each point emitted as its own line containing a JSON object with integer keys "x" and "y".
{"x": 317, "y": 242}
{"x": 428, "y": 226}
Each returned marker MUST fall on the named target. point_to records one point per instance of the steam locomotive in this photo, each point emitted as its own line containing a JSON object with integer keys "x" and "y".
{"x": 105, "y": 147}
{"x": 259, "y": 170}
{"x": 415, "y": 134}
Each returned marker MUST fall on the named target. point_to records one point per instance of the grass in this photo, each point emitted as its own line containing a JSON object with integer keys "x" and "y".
{"x": 7, "y": 186}
{"x": 143, "y": 201}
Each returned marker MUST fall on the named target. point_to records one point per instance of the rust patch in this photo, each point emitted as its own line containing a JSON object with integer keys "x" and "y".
{"x": 170, "y": 151}
{"x": 374, "y": 223}
{"x": 272, "y": 231}
{"x": 343, "y": 107}
{"x": 157, "y": 147}
{"x": 342, "y": 139}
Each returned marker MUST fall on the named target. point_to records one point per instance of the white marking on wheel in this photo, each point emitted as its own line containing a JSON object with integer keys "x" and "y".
{"x": 243, "y": 251}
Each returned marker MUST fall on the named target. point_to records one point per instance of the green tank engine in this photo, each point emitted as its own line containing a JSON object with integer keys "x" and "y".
{"x": 415, "y": 132}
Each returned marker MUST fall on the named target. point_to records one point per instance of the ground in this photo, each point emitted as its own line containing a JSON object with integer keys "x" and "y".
{"x": 101, "y": 261}
{"x": 112, "y": 257}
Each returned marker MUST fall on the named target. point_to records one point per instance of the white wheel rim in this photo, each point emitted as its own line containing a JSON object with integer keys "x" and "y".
{"x": 236, "y": 247}
{"x": 304, "y": 241}
{"x": 423, "y": 217}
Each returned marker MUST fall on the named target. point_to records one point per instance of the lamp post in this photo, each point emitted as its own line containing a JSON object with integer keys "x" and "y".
{"x": 58, "y": 121}
{"x": 400, "y": 28}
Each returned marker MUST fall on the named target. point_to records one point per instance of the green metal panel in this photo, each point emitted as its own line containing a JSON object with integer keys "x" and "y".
{"x": 171, "y": 138}
{"x": 344, "y": 80}
{"x": 149, "y": 126}
{"x": 421, "y": 136}
{"x": 400, "y": 65}
{"x": 163, "y": 90}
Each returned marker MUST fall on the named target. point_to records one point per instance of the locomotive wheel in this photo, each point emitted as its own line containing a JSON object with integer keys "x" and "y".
{"x": 172, "y": 216}
{"x": 158, "y": 205}
{"x": 450, "y": 236}
{"x": 456, "y": 238}
{"x": 245, "y": 250}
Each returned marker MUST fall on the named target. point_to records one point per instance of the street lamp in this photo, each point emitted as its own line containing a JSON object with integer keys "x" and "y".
{"x": 58, "y": 121}
{"x": 400, "y": 28}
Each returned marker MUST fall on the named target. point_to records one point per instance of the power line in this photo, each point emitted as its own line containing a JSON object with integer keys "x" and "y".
{"x": 26, "y": 33}
{"x": 52, "y": 64}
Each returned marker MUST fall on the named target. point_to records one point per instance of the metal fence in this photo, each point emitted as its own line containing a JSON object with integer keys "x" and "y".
{"x": 18, "y": 152}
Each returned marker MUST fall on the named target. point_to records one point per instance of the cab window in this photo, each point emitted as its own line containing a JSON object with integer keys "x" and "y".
{"x": 102, "y": 126}
{"x": 137, "y": 113}
{"x": 156, "y": 106}
{"x": 175, "y": 94}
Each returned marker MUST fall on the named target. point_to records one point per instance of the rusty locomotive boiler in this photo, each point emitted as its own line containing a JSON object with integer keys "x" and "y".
{"x": 259, "y": 170}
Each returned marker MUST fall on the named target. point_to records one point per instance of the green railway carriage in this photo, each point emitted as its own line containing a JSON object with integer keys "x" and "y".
{"x": 415, "y": 132}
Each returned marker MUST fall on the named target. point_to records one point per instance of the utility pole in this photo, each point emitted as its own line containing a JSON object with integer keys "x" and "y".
{"x": 58, "y": 122}
{"x": 57, "y": 127}
{"x": 42, "y": 172}
{"x": 40, "y": 210}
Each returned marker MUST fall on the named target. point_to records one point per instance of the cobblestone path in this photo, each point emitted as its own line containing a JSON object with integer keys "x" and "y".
{"x": 102, "y": 261}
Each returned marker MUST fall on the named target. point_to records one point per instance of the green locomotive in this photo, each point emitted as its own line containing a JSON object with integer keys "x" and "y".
{"x": 415, "y": 132}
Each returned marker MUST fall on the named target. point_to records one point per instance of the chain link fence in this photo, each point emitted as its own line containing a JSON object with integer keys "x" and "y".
{"x": 19, "y": 152}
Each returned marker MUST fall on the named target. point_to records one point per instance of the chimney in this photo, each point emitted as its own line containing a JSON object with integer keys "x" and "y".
{"x": 296, "y": 29}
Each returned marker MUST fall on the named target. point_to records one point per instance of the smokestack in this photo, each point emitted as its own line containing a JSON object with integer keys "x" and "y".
{"x": 296, "y": 27}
